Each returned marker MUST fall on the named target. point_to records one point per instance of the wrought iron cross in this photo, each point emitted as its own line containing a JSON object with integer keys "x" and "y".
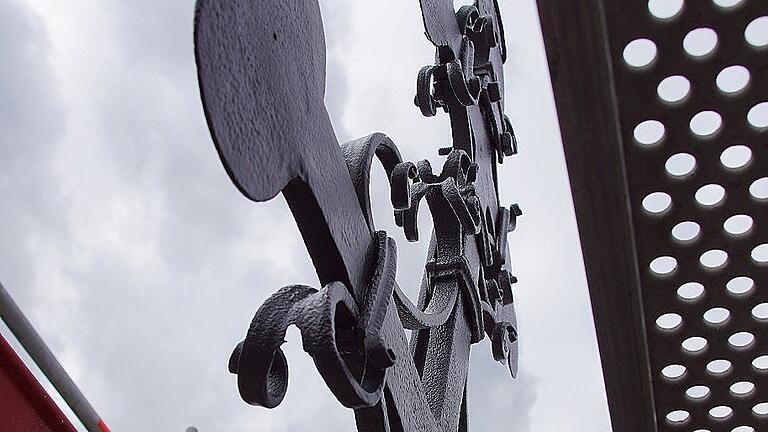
{"x": 261, "y": 68}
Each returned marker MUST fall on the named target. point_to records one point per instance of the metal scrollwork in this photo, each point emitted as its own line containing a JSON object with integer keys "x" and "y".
{"x": 261, "y": 68}
{"x": 344, "y": 340}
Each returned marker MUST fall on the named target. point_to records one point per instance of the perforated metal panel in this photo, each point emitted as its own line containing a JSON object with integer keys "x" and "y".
{"x": 688, "y": 89}
{"x": 696, "y": 166}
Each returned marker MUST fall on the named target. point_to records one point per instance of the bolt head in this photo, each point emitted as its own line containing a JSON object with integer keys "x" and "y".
{"x": 494, "y": 91}
{"x": 508, "y": 144}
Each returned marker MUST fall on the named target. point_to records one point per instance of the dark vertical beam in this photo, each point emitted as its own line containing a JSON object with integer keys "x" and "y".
{"x": 582, "y": 78}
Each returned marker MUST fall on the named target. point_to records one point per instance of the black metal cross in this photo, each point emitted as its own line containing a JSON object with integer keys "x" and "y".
{"x": 261, "y": 68}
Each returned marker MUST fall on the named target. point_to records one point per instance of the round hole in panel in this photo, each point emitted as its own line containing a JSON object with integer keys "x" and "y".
{"x": 761, "y": 363}
{"x": 742, "y": 388}
{"x": 457, "y": 4}
{"x": 743, "y": 429}
{"x": 714, "y": 259}
{"x": 725, "y": 4}
{"x": 649, "y": 132}
{"x": 700, "y": 42}
{"x": 719, "y": 366}
{"x": 720, "y": 412}
{"x": 710, "y": 195}
{"x": 738, "y": 224}
{"x": 690, "y": 291}
{"x": 733, "y": 79}
{"x": 680, "y": 164}
{"x": 759, "y": 188}
{"x": 757, "y": 116}
{"x": 741, "y": 339}
{"x": 760, "y": 253}
{"x": 717, "y": 315}
{"x": 678, "y": 416}
{"x": 673, "y": 88}
{"x": 706, "y": 123}
{"x": 736, "y": 156}
{"x": 673, "y": 371}
{"x": 760, "y": 312}
{"x": 665, "y": 9}
{"x": 640, "y": 53}
{"x": 694, "y": 344}
{"x": 663, "y": 265}
{"x": 761, "y": 409}
{"x": 686, "y": 231}
{"x": 756, "y": 32}
{"x": 657, "y": 202}
{"x": 740, "y": 285}
{"x": 697, "y": 392}
{"x": 669, "y": 321}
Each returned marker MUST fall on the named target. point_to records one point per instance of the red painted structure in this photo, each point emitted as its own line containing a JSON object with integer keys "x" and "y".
{"x": 24, "y": 405}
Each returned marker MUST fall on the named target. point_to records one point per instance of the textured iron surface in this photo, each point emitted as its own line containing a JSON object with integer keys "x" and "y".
{"x": 261, "y": 68}
{"x": 680, "y": 246}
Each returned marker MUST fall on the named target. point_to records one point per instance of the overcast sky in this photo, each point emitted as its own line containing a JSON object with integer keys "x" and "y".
{"x": 141, "y": 265}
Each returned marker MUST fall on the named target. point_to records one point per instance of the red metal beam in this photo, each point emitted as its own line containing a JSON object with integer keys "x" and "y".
{"x": 24, "y": 405}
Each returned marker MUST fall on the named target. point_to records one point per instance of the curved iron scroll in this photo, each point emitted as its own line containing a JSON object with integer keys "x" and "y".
{"x": 344, "y": 342}
{"x": 261, "y": 69}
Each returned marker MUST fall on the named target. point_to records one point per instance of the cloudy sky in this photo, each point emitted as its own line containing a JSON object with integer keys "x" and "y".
{"x": 141, "y": 265}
